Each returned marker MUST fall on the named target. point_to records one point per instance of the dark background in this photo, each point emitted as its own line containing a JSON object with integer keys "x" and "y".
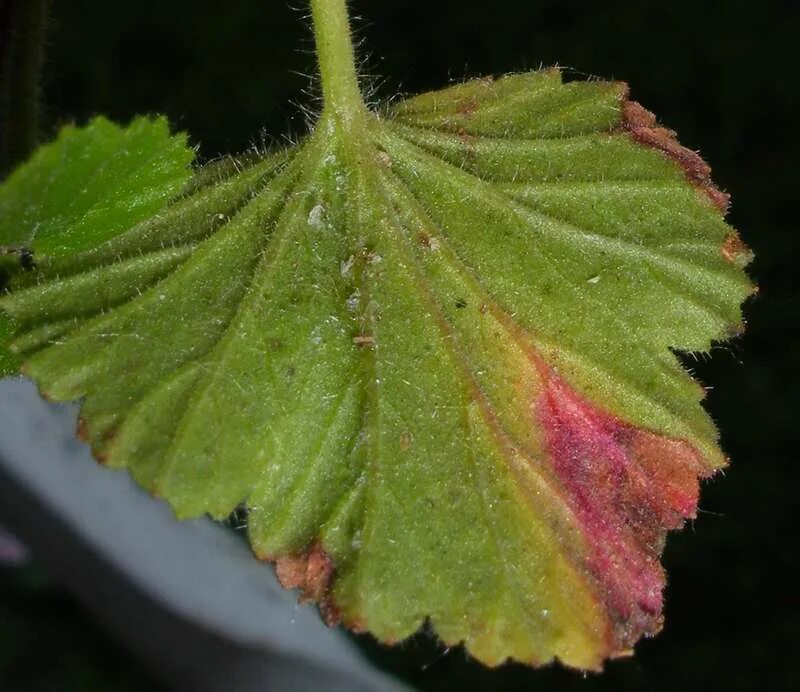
{"x": 723, "y": 74}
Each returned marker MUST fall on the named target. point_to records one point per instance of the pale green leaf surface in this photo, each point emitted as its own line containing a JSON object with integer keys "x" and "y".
{"x": 91, "y": 183}
{"x": 84, "y": 188}
{"x": 432, "y": 354}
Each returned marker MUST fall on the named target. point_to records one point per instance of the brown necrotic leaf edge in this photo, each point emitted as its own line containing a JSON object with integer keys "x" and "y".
{"x": 644, "y": 128}
{"x": 310, "y": 572}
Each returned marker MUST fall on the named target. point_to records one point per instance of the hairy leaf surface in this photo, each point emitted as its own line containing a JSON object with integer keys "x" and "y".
{"x": 87, "y": 186}
{"x": 432, "y": 351}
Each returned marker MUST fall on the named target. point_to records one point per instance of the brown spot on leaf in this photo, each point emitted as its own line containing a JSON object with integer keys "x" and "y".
{"x": 405, "y": 440}
{"x": 429, "y": 242}
{"x": 734, "y": 250}
{"x": 311, "y": 573}
{"x": 364, "y": 340}
{"x": 468, "y": 108}
{"x": 642, "y": 126}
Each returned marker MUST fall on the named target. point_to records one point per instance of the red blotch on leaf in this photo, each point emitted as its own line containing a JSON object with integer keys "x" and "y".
{"x": 626, "y": 487}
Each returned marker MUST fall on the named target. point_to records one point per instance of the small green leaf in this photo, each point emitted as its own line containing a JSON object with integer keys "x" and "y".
{"x": 87, "y": 186}
{"x": 432, "y": 351}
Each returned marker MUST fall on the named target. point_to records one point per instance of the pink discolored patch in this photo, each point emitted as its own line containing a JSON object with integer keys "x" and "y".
{"x": 627, "y": 487}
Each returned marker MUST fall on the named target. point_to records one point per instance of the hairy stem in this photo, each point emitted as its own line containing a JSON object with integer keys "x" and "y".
{"x": 340, "y": 91}
{"x": 22, "y": 34}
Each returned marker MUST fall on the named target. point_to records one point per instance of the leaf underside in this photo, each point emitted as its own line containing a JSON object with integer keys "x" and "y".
{"x": 435, "y": 361}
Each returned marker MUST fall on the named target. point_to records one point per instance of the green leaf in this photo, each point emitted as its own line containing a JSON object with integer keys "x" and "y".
{"x": 432, "y": 351}
{"x": 87, "y": 186}
{"x": 8, "y": 362}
